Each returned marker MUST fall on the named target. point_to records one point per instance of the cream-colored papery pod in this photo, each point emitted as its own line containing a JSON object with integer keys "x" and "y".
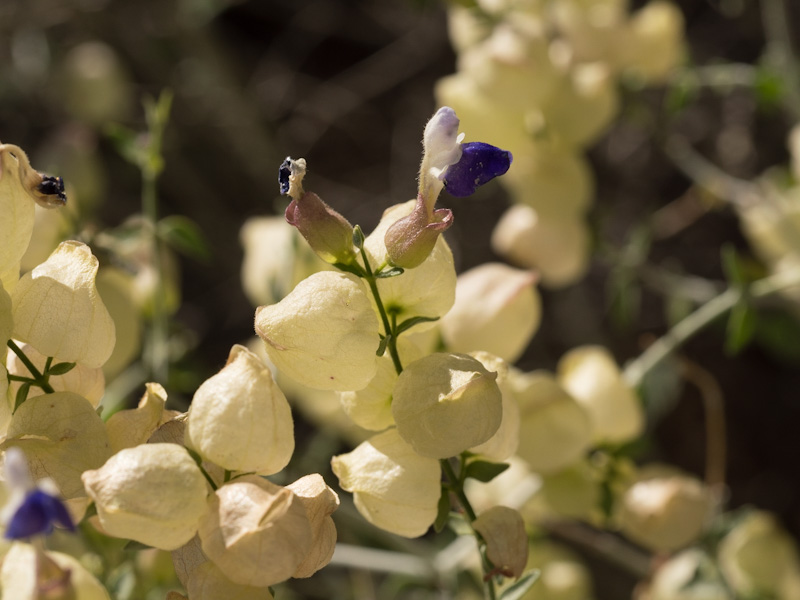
{"x": 240, "y": 419}
{"x": 16, "y": 219}
{"x": 256, "y": 532}
{"x": 497, "y": 310}
{"x": 445, "y": 403}
{"x": 592, "y": 377}
{"x": 131, "y": 427}
{"x": 30, "y": 574}
{"x": 324, "y": 333}
{"x": 503, "y": 530}
{"x": 393, "y": 487}
{"x": 320, "y": 501}
{"x": 152, "y": 493}
{"x": 56, "y": 308}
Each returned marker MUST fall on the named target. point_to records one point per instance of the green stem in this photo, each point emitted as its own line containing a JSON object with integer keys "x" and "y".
{"x": 456, "y": 485}
{"x": 39, "y": 379}
{"x": 636, "y": 370}
{"x": 387, "y": 327}
{"x": 208, "y": 477}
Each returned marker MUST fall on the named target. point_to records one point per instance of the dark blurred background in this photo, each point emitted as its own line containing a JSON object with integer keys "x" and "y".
{"x": 347, "y": 84}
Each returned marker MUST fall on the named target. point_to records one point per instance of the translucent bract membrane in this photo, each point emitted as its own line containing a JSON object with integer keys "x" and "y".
{"x": 555, "y": 431}
{"x": 445, "y": 403}
{"x": 393, "y": 487}
{"x": 503, "y": 444}
{"x": 152, "y": 493}
{"x": 131, "y": 427}
{"x": 503, "y": 530}
{"x": 256, "y": 532}
{"x": 591, "y": 376}
{"x": 497, "y": 310}
{"x": 320, "y": 501}
{"x": 16, "y": 226}
{"x": 56, "y": 308}
{"x": 240, "y": 420}
{"x": 324, "y": 334}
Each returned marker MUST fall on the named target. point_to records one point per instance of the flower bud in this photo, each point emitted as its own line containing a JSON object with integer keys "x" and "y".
{"x": 58, "y": 311}
{"x": 556, "y": 247}
{"x": 497, "y": 309}
{"x": 758, "y": 557}
{"x": 554, "y": 430}
{"x": 82, "y": 380}
{"x": 320, "y": 501}
{"x": 28, "y": 573}
{"x": 129, "y": 428}
{"x": 324, "y": 333}
{"x": 256, "y": 532}
{"x": 371, "y": 407}
{"x": 427, "y": 290}
{"x": 328, "y": 233}
{"x": 240, "y": 419}
{"x": 664, "y": 511}
{"x": 153, "y": 493}
{"x": 591, "y": 376}
{"x": 410, "y": 241}
{"x": 393, "y": 487}
{"x": 61, "y": 435}
{"x": 503, "y": 530}
{"x": 446, "y": 403}
{"x": 442, "y": 148}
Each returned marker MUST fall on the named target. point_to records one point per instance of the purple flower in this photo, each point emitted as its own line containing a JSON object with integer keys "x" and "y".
{"x": 479, "y": 164}
{"x": 36, "y": 515}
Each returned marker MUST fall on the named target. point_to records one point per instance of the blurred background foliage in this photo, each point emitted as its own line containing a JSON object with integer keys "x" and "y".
{"x": 347, "y": 84}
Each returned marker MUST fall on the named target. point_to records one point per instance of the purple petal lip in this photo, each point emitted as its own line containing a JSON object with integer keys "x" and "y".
{"x": 479, "y": 164}
{"x": 36, "y": 515}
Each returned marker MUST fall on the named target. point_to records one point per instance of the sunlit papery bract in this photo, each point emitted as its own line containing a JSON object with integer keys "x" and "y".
{"x": 445, "y": 403}
{"x": 505, "y": 441}
{"x": 152, "y": 493}
{"x": 16, "y": 224}
{"x": 497, "y": 309}
{"x": 324, "y": 334}
{"x": 393, "y": 487}
{"x": 240, "y": 420}
{"x": 320, "y": 501}
{"x": 56, "y": 308}
{"x": 256, "y": 532}
{"x": 134, "y": 426}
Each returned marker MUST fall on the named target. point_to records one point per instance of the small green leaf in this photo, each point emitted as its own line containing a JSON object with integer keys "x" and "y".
{"x": 60, "y": 368}
{"x": 390, "y": 272}
{"x": 358, "y": 237}
{"x": 382, "y": 346}
{"x": 733, "y": 267}
{"x": 520, "y": 587}
{"x": 185, "y": 236}
{"x": 741, "y": 327}
{"x": 485, "y": 471}
{"x": 22, "y": 395}
{"x": 442, "y": 511}
{"x": 409, "y": 323}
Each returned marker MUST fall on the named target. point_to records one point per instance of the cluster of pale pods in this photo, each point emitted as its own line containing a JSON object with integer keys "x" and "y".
{"x": 442, "y": 385}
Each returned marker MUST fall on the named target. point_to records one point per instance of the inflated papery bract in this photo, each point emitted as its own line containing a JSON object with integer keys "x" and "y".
{"x": 445, "y": 403}
{"x": 324, "y": 334}
{"x": 56, "y": 308}
{"x": 256, "y": 532}
{"x": 152, "y": 493}
{"x": 393, "y": 487}
{"x": 240, "y": 420}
